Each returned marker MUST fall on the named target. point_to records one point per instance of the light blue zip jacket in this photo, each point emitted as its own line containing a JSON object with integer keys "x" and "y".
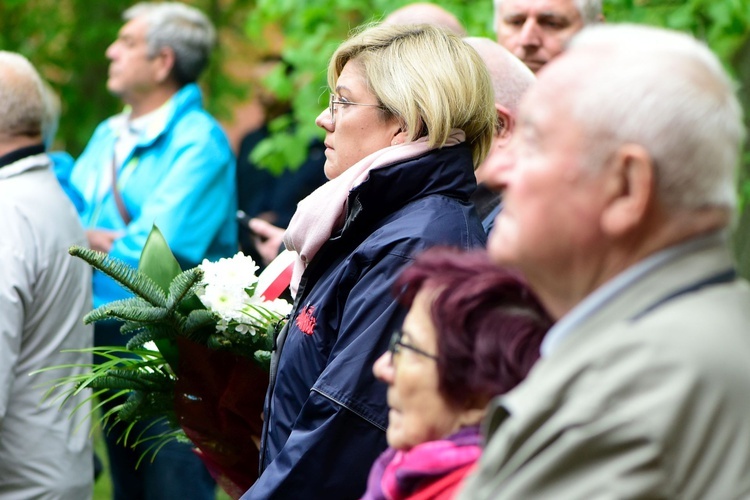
{"x": 180, "y": 176}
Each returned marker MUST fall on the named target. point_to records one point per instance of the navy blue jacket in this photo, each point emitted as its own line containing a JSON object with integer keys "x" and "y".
{"x": 326, "y": 414}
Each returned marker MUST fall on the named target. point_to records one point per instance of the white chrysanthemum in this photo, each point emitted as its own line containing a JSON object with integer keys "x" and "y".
{"x": 224, "y": 290}
{"x": 224, "y": 302}
{"x": 237, "y": 272}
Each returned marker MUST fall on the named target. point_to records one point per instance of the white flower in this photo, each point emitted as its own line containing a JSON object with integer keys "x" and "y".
{"x": 226, "y": 290}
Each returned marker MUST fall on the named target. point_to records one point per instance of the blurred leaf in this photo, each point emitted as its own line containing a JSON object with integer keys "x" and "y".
{"x": 159, "y": 263}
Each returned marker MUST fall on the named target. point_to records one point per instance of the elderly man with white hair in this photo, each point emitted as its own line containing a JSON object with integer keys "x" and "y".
{"x": 536, "y": 31}
{"x": 44, "y": 294}
{"x": 618, "y": 197}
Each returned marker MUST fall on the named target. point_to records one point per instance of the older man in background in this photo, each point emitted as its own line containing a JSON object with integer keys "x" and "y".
{"x": 44, "y": 294}
{"x": 164, "y": 161}
{"x": 426, "y": 13}
{"x": 510, "y": 81}
{"x": 536, "y": 31}
{"x": 617, "y": 206}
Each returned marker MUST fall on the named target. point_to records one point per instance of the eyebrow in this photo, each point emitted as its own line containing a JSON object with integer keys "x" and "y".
{"x": 341, "y": 87}
{"x": 542, "y": 15}
{"x": 553, "y": 16}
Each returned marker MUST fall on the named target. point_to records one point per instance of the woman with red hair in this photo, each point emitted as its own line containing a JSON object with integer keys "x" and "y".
{"x": 472, "y": 332}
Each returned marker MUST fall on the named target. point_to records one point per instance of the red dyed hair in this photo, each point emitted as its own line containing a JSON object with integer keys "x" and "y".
{"x": 489, "y": 324}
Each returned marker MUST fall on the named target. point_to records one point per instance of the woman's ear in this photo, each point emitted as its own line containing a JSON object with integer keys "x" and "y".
{"x": 400, "y": 137}
{"x": 474, "y": 411}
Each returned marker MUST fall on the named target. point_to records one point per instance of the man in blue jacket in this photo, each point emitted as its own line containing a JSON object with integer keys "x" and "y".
{"x": 162, "y": 161}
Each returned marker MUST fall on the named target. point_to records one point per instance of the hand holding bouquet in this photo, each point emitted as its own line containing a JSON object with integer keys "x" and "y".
{"x": 198, "y": 354}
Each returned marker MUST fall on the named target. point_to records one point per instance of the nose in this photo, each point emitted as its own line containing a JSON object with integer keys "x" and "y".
{"x": 324, "y": 120}
{"x": 530, "y": 33}
{"x": 383, "y": 368}
{"x": 111, "y": 50}
{"x": 500, "y": 167}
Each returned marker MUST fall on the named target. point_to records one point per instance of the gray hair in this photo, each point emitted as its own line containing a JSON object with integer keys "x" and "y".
{"x": 511, "y": 78}
{"x": 668, "y": 93}
{"x": 21, "y": 96}
{"x": 186, "y": 30}
{"x": 590, "y": 10}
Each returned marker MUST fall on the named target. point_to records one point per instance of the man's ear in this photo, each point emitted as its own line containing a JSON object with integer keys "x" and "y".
{"x": 164, "y": 61}
{"x": 630, "y": 188}
{"x": 506, "y": 124}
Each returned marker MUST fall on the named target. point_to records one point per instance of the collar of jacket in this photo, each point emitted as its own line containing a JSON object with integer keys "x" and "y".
{"x": 20, "y": 154}
{"x": 187, "y": 98}
{"x": 448, "y": 171}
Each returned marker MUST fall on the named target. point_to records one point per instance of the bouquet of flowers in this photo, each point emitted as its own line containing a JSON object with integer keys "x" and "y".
{"x": 198, "y": 356}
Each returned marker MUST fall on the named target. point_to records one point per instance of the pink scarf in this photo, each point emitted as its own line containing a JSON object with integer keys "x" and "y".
{"x": 322, "y": 213}
{"x": 399, "y": 474}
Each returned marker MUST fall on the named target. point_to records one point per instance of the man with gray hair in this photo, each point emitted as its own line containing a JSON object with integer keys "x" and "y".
{"x": 536, "y": 31}
{"x": 162, "y": 161}
{"x": 44, "y": 294}
{"x": 618, "y": 200}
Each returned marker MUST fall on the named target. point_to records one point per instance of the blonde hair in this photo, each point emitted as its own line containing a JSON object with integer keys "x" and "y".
{"x": 429, "y": 79}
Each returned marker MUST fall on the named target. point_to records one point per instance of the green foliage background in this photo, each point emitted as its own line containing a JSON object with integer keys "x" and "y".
{"x": 66, "y": 40}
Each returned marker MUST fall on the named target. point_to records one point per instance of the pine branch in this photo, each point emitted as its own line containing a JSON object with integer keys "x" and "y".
{"x": 182, "y": 285}
{"x": 198, "y": 319}
{"x": 125, "y": 275}
{"x": 131, "y": 327}
{"x": 151, "y": 333}
{"x": 101, "y": 312}
{"x": 139, "y": 314}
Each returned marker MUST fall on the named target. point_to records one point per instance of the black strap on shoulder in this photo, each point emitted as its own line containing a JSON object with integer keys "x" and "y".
{"x": 717, "y": 279}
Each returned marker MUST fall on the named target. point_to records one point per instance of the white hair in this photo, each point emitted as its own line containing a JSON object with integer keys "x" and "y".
{"x": 511, "y": 78}
{"x": 590, "y": 10}
{"x": 21, "y": 96}
{"x": 668, "y": 93}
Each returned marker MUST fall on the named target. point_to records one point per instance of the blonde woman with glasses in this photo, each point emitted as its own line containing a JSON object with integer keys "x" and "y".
{"x": 410, "y": 116}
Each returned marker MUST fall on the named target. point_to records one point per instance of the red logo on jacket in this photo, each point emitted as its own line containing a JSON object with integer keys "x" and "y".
{"x": 306, "y": 321}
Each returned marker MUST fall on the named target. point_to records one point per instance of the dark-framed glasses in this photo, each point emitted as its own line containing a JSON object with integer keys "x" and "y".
{"x": 397, "y": 343}
{"x": 332, "y": 103}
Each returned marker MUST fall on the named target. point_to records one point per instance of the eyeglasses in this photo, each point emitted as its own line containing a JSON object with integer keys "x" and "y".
{"x": 397, "y": 344}
{"x": 332, "y": 102}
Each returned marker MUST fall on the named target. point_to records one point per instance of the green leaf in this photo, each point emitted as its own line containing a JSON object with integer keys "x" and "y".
{"x": 157, "y": 260}
{"x": 159, "y": 263}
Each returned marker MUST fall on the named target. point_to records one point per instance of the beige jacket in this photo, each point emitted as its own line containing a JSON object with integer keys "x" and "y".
{"x": 637, "y": 402}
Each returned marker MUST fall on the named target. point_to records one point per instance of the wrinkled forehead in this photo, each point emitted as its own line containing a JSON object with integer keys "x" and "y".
{"x": 535, "y": 8}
